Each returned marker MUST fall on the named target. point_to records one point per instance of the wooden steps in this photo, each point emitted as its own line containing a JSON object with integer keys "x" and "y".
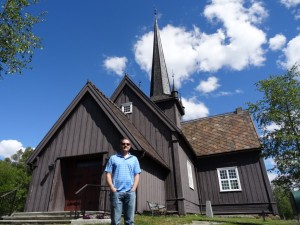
{"x": 63, "y": 217}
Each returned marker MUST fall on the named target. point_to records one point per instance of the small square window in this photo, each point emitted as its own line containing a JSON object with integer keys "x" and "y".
{"x": 229, "y": 179}
{"x": 127, "y": 107}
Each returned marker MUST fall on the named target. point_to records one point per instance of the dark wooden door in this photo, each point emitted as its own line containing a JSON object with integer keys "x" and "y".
{"x": 77, "y": 173}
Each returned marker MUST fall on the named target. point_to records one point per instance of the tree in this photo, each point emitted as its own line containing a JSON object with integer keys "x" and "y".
{"x": 277, "y": 115}
{"x": 17, "y": 40}
{"x": 16, "y": 174}
{"x": 282, "y": 198}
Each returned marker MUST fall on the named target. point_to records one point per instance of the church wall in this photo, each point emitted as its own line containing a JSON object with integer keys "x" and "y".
{"x": 152, "y": 185}
{"x": 254, "y": 196}
{"x": 87, "y": 131}
{"x": 171, "y": 111}
{"x": 156, "y": 132}
{"x": 190, "y": 193}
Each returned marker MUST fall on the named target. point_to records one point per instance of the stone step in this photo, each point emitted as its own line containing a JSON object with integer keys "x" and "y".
{"x": 35, "y": 222}
{"x": 40, "y": 216}
{"x": 64, "y": 217}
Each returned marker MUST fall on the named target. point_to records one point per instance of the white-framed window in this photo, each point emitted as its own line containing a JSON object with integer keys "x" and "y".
{"x": 126, "y": 107}
{"x": 190, "y": 174}
{"x": 229, "y": 179}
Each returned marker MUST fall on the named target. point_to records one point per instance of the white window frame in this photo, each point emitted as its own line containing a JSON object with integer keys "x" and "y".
{"x": 190, "y": 174}
{"x": 228, "y": 179}
{"x": 126, "y": 107}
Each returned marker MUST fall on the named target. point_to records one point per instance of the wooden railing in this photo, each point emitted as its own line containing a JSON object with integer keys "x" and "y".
{"x": 7, "y": 201}
{"x": 97, "y": 194}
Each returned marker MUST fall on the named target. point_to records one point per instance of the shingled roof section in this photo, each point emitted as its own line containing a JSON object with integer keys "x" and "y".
{"x": 222, "y": 134}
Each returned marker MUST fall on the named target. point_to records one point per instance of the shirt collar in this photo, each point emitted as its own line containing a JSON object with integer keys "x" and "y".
{"x": 121, "y": 156}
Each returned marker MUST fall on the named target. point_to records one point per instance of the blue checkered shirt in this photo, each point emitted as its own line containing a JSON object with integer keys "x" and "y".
{"x": 123, "y": 171}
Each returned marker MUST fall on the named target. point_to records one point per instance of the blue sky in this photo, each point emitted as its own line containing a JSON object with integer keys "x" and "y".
{"x": 216, "y": 50}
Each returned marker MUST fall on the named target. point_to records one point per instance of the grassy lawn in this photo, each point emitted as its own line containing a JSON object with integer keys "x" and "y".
{"x": 180, "y": 220}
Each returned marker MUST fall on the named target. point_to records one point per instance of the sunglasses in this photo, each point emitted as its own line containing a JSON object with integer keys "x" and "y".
{"x": 126, "y": 144}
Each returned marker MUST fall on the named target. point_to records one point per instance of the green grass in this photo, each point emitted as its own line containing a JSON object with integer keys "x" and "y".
{"x": 180, "y": 220}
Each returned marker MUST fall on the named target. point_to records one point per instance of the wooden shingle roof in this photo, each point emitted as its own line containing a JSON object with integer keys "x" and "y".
{"x": 221, "y": 134}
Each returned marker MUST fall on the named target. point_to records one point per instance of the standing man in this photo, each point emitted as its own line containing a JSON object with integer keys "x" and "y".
{"x": 122, "y": 176}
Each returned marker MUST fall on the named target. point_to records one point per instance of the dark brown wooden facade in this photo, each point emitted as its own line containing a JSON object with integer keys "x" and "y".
{"x": 179, "y": 160}
{"x": 255, "y": 195}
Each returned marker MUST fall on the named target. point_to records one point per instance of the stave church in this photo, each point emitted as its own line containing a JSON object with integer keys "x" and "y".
{"x": 184, "y": 164}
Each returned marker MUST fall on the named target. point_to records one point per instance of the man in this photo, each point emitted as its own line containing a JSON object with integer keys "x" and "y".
{"x": 122, "y": 176}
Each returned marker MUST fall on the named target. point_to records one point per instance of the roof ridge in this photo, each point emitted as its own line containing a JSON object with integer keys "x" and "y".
{"x": 149, "y": 101}
{"x": 213, "y": 116}
{"x": 102, "y": 94}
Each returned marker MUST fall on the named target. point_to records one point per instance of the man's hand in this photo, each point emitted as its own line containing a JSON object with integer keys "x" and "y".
{"x": 136, "y": 182}
{"x": 109, "y": 182}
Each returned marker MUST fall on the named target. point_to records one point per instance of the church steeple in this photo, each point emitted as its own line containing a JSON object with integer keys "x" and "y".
{"x": 160, "y": 85}
{"x": 160, "y": 92}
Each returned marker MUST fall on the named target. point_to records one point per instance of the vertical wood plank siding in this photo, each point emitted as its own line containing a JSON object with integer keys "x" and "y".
{"x": 57, "y": 197}
{"x": 87, "y": 131}
{"x": 254, "y": 195}
{"x": 160, "y": 137}
{"x": 190, "y": 195}
{"x": 156, "y": 132}
{"x": 152, "y": 185}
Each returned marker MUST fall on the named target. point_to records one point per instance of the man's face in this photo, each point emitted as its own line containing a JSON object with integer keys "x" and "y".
{"x": 125, "y": 145}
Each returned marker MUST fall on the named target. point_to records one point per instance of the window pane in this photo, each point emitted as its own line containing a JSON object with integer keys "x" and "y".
{"x": 225, "y": 184}
{"x": 190, "y": 175}
{"x": 232, "y": 174}
{"x": 223, "y": 174}
{"x": 234, "y": 184}
{"x": 127, "y": 108}
{"x": 229, "y": 179}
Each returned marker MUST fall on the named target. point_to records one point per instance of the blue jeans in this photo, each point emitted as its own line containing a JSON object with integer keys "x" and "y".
{"x": 122, "y": 202}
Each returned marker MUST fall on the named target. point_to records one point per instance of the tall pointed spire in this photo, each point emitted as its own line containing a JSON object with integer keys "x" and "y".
{"x": 160, "y": 85}
{"x": 160, "y": 92}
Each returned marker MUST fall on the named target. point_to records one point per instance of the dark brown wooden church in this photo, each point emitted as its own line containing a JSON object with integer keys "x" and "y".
{"x": 184, "y": 164}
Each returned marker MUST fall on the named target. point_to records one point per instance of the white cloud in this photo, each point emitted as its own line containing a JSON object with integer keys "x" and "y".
{"x": 115, "y": 64}
{"x": 269, "y": 163}
{"x": 277, "y": 42}
{"x": 237, "y": 44}
{"x": 297, "y": 14}
{"x": 272, "y": 127}
{"x": 290, "y": 3}
{"x": 194, "y": 109}
{"x": 176, "y": 42}
{"x": 271, "y": 176}
{"x": 238, "y": 91}
{"x": 208, "y": 86}
{"x": 244, "y": 39}
{"x": 9, "y": 147}
{"x": 229, "y": 93}
{"x": 291, "y": 53}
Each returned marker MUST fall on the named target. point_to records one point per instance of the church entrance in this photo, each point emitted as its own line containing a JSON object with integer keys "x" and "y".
{"x": 77, "y": 172}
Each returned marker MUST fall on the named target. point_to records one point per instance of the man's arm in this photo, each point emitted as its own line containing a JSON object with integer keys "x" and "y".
{"x": 110, "y": 183}
{"x": 135, "y": 182}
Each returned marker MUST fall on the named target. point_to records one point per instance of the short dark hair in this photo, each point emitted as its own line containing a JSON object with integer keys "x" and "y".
{"x": 124, "y": 138}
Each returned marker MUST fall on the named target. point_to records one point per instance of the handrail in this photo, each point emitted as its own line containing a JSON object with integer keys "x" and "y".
{"x": 7, "y": 200}
{"x": 87, "y": 185}
{"x": 83, "y": 191}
